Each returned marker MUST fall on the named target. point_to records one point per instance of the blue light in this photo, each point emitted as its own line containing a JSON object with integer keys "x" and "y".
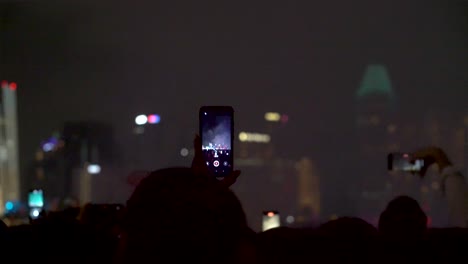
{"x": 9, "y": 206}
{"x": 47, "y": 147}
{"x": 154, "y": 119}
{"x": 49, "y": 144}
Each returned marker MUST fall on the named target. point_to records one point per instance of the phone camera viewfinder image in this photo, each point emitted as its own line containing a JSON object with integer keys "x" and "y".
{"x": 404, "y": 162}
{"x": 216, "y": 130}
{"x": 271, "y": 219}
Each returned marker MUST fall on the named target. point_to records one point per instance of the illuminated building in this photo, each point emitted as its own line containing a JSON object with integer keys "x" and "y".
{"x": 254, "y": 137}
{"x": 465, "y": 157}
{"x": 380, "y": 130}
{"x": 67, "y": 163}
{"x": 270, "y": 169}
{"x": 308, "y": 191}
{"x": 375, "y": 132}
{"x": 9, "y": 167}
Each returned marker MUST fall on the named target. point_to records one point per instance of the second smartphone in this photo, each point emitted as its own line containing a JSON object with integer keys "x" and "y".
{"x": 404, "y": 162}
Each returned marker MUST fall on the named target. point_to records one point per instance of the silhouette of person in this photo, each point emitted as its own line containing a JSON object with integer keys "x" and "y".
{"x": 403, "y": 218}
{"x": 175, "y": 214}
{"x": 349, "y": 238}
{"x": 3, "y": 229}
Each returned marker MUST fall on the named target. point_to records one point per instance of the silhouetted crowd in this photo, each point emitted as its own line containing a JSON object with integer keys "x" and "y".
{"x": 177, "y": 216}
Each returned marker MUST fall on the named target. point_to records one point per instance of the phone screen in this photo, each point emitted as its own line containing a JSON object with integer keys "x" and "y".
{"x": 36, "y": 198}
{"x": 404, "y": 162}
{"x": 216, "y": 131}
{"x": 271, "y": 220}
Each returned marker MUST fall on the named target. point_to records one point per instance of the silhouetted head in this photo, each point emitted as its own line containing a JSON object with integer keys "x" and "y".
{"x": 3, "y": 228}
{"x": 348, "y": 227}
{"x": 403, "y": 217}
{"x": 348, "y": 238}
{"x": 174, "y": 215}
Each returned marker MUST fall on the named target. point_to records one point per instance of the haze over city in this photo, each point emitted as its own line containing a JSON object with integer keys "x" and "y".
{"x": 110, "y": 61}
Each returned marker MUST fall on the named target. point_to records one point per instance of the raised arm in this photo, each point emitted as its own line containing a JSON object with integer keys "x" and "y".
{"x": 453, "y": 182}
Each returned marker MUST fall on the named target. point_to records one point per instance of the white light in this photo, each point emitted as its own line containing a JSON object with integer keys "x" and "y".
{"x": 94, "y": 169}
{"x": 271, "y": 222}
{"x": 48, "y": 147}
{"x": 272, "y": 117}
{"x": 35, "y": 213}
{"x": 243, "y": 136}
{"x": 141, "y": 120}
{"x": 290, "y": 219}
{"x": 184, "y": 152}
{"x": 254, "y": 137}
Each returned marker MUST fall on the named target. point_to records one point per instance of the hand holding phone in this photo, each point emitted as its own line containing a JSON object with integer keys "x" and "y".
{"x": 432, "y": 155}
{"x": 214, "y": 148}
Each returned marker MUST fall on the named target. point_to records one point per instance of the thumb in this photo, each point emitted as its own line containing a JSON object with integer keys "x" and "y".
{"x": 197, "y": 144}
{"x": 231, "y": 179}
{"x": 423, "y": 171}
{"x": 198, "y": 157}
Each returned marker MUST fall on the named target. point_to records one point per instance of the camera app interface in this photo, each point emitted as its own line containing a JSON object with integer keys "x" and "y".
{"x": 403, "y": 163}
{"x": 216, "y": 142}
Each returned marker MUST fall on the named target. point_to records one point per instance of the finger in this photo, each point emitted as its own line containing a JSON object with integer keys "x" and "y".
{"x": 425, "y": 153}
{"x": 420, "y": 154}
{"x": 198, "y": 153}
{"x": 422, "y": 172}
{"x": 197, "y": 144}
{"x": 198, "y": 163}
{"x": 235, "y": 174}
{"x": 231, "y": 179}
{"x": 199, "y": 167}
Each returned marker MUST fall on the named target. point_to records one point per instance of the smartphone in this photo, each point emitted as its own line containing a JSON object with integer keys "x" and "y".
{"x": 217, "y": 136}
{"x": 36, "y": 199}
{"x": 271, "y": 219}
{"x": 404, "y": 162}
{"x": 36, "y": 203}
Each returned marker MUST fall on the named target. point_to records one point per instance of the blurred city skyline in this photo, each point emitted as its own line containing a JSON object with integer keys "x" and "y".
{"x": 111, "y": 61}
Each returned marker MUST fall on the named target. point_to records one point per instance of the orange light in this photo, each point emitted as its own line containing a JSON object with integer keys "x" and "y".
{"x": 271, "y": 214}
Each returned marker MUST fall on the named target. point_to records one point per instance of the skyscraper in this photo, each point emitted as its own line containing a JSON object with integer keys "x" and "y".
{"x": 67, "y": 162}
{"x": 375, "y": 126}
{"x": 308, "y": 190}
{"x": 465, "y": 158}
{"x": 9, "y": 168}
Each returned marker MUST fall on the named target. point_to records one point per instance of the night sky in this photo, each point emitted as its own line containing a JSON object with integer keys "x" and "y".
{"x": 111, "y": 61}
